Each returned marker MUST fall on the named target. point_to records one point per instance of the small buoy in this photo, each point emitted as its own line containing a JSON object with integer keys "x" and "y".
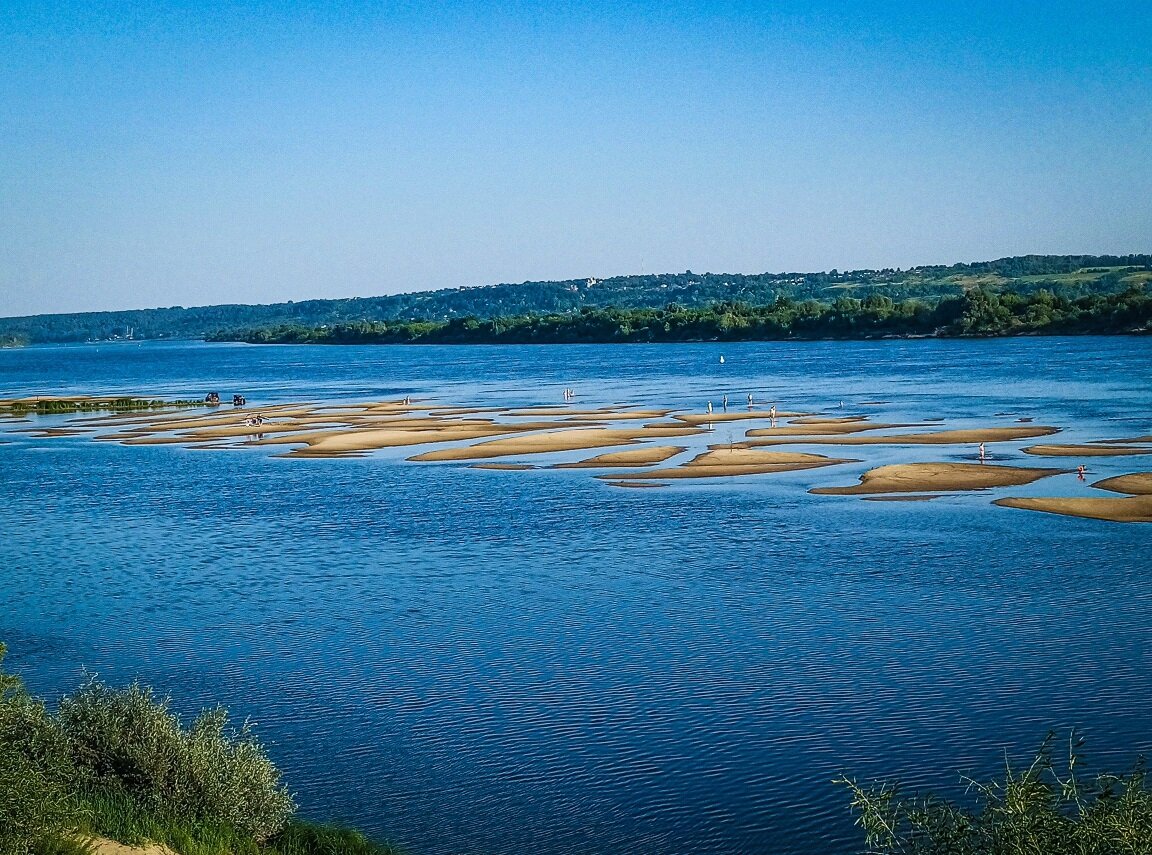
{"x": 721, "y": 360}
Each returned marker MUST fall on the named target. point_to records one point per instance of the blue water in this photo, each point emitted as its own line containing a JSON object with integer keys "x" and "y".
{"x": 468, "y": 661}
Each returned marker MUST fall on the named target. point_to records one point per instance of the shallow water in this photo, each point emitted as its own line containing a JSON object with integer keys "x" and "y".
{"x": 471, "y": 661}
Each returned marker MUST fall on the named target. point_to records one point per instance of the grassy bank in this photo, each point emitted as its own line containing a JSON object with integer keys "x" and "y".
{"x": 119, "y": 764}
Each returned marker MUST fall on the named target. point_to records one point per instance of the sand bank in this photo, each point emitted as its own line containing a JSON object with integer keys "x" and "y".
{"x": 645, "y": 456}
{"x": 720, "y": 416}
{"x": 944, "y": 437}
{"x": 727, "y": 463}
{"x": 1084, "y": 450}
{"x": 634, "y": 484}
{"x": 923, "y": 477}
{"x": 573, "y": 439}
{"x": 1132, "y": 509}
{"x": 511, "y": 467}
{"x": 1136, "y": 484}
{"x": 818, "y": 428}
{"x": 901, "y": 498}
{"x": 341, "y": 442}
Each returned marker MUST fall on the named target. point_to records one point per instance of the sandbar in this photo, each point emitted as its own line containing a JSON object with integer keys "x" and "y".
{"x": 512, "y": 467}
{"x": 727, "y": 463}
{"x": 943, "y": 437}
{"x": 1130, "y": 439}
{"x": 1135, "y": 484}
{"x": 645, "y": 456}
{"x": 544, "y": 443}
{"x": 1131, "y": 509}
{"x": 923, "y": 477}
{"x": 708, "y": 418}
{"x": 633, "y": 484}
{"x": 341, "y": 442}
{"x": 818, "y": 428}
{"x": 1084, "y": 450}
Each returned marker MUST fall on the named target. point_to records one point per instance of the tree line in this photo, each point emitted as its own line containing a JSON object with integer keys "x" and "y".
{"x": 979, "y": 312}
{"x": 1069, "y": 276}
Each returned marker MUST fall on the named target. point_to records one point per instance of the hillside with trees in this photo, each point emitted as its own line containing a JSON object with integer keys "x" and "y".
{"x": 979, "y": 312}
{"x": 1065, "y": 276}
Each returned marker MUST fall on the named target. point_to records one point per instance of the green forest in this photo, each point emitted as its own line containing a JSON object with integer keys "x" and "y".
{"x": 1064, "y": 276}
{"x": 979, "y": 312}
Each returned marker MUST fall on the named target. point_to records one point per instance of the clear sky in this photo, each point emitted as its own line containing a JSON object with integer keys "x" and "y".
{"x": 157, "y": 153}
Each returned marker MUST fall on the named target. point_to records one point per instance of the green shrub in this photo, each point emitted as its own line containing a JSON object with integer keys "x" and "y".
{"x": 128, "y": 740}
{"x": 1044, "y": 809}
{"x": 34, "y": 803}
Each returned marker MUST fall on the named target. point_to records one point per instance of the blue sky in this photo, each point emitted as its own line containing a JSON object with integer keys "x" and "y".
{"x": 161, "y": 153}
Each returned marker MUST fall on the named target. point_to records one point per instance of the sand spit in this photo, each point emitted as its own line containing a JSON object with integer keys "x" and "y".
{"x": 646, "y": 456}
{"x": 511, "y": 467}
{"x": 726, "y": 463}
{"x": 342, "y": 442}
{"x": 573, "y": 439}
{"x": 943, "y": 437}
{"x": 1136, "y": 484}
{"x": 805, "y": 427}
{"x": 935, "y": 477}
{"x": 633, "y": 484}
{"x": 1134, "y": 439}
{"x": 709, "y": 418}
{"x": 1084, "y": 450}
{"x": 1132, "y": 509}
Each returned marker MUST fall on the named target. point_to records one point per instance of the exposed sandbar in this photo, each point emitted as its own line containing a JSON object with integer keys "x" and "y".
{"x": 1084, "y": 450}
{"x": 727, "y": 463}
{"x": 943, "y": 437}
{"x": 512, "y": 467}
{"x": 1134, "y": 439}
{"x": 545, "y": 443}
{"x": 1131, "y": 509}
{"x": 634, "y": 484}
{"x": 646, "y": 456}
{"x": 819, "y": 428}
{"x": 341, "y": 442}
{"x": 709, "y": 418}
{"x": 929, "y": 477}
{"x": 1135, "y": 484}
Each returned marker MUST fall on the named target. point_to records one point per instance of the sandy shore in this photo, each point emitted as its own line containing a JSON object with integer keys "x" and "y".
{"x": 727, "y": 463}
{"x": 1084, "y": 450}
{"x": 573, "y": 439}
{"x": 971, "y": 436}
{"x": 929, "y": 477}
{"x": 645, "y": 456}
{"x": 1135, "y": 484}
{"x": 1132, "y": 509}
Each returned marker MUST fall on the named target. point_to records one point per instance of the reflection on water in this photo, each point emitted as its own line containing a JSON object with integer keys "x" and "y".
{"x": 477, "y": 661}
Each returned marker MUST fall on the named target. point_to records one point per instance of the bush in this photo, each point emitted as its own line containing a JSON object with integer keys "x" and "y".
{"x": 127, "y": 740}
{"x": 1041, "y": 810}
{"x": 34, "y": 804}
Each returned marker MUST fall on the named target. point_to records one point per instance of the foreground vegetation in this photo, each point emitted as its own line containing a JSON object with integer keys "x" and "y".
{"x": 980, "y": 312}
{"x": 1044, "y": 809}
{"x": 1067, "y": 276}
{"x": 119, "y": 764}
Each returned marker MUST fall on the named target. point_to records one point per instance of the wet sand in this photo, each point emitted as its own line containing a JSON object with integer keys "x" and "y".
{"x": 721, "y": 416}
{"x": 971, "y": 436}
{"x": 573, "y": 439}
{"x": 1135, "y": 484}
{"x": 646, "y": 456}
{"x": 1130, "y": 510}
{"x": 803, "y": 427}
{"x": 936, "y": 477}
{"x": 1084, "y": 450}
{"x": 727, "y": 463}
